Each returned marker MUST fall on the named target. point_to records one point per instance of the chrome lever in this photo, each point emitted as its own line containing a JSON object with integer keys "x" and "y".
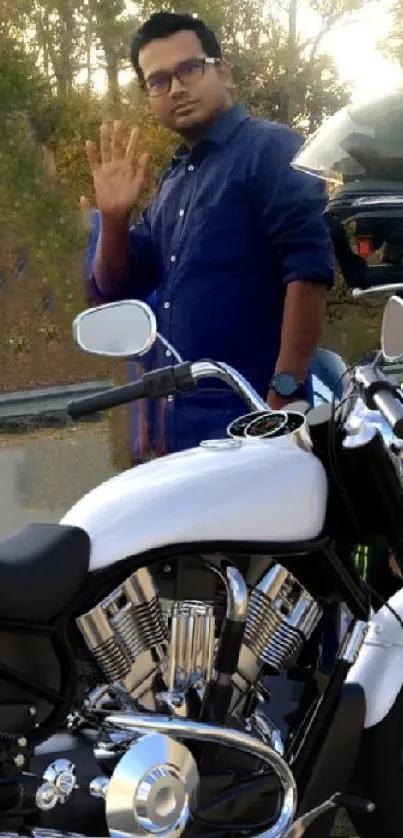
{"x": 299, "y": 827}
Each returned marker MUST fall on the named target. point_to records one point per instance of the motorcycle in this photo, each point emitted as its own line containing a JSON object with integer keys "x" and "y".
{"x": 216, "y": 667}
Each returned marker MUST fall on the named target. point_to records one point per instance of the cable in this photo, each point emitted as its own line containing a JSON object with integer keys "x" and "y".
{"x": 341, "y": 487}
{"x": 384, "y": 602}
{"x": 333, "y": 453}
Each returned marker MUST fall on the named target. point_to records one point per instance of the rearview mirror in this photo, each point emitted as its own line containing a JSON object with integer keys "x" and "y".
{"x": 392, "y": 330}
{"x": 119, "y": 330}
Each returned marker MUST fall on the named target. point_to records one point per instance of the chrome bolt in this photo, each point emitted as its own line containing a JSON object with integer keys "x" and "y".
{"x": 65, "y": 783}
{"x": 46, "y": 797}
{"x": 98, "y": 787}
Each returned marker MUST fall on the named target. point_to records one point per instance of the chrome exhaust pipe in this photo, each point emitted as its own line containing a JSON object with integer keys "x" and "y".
{"x": 189, "y": 729}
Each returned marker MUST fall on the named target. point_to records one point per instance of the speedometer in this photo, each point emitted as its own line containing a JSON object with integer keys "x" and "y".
{"x": 266, "y": 425}
{"x": 238, "y": 427}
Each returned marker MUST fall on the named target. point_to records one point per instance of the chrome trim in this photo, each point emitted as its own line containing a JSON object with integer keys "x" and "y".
{"x": 153, "y": 790}
{"x": 125, "y": 625}
{"x": 98, "y": 787}
{"x": 170, "y": 348}
{"x": 234, "y": 379}
{"x": 358, "y": 434}
{"x": 353, "y": 642}
{"x": 59, "y": 782}
{"x": 267, "y": 731}
{"x": 190, "y": 729}
{"x": 298, "y": 829}
{"x": 191, "y": 646}
{"x": 116, "y": 304}
{"x": 281, "y": 414}
{"x": 236, "y": 436}
{"x": 237, "y": 595}
{"x": 281, "y": 617}
{"x": 393, "y": 286}
{"x": 300, "y": 436}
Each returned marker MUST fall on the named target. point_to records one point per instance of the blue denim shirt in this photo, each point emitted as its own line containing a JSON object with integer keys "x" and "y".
{"x": 230, "y": 226}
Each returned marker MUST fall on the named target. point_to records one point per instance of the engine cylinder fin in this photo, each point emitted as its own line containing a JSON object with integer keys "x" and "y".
{"x": 281, "y": 617}
{"x": 124, "y": 625}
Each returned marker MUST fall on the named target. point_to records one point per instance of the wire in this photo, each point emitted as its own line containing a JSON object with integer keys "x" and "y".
{"x": 384, "y": 602}
{"x": 340, "y": 485}
{"x": 335, "y": 407}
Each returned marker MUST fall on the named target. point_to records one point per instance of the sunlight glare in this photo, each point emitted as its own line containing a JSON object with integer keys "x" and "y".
{"x": 355, "y": 50}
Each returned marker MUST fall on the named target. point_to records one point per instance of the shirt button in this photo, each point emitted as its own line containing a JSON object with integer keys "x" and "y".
{"x": 170, "y": 398}
{"x": 167, "y": 305}
{"x": 173, "y": 258}
{"x": 181, "y": 213}
{"x": 191, "y": 168}
{"x": 168, "y": 353}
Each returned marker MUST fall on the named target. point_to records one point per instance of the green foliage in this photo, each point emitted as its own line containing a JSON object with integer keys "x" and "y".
{"x": 392, "y": 46}
{"x": 34, "y": 213}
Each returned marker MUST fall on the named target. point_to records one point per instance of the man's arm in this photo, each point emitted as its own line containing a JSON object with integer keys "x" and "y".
{"x": 292, "y": 205}
{"x": 120, "y": 260}
{"x": 304, "y": 313}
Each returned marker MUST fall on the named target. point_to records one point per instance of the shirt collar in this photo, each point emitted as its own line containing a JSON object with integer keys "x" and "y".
{"x": 219, "y": 132}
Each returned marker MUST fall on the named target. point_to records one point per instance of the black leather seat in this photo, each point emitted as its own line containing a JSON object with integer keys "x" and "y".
{"x": 41, "y": 568}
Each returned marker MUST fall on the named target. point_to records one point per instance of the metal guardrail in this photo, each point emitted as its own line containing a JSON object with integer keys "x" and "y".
{"x": 45, "y": 406}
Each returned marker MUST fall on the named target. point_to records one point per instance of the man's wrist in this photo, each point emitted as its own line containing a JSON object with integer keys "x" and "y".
{"x": 286, "y": 385}
{"x": 116, "y": 223}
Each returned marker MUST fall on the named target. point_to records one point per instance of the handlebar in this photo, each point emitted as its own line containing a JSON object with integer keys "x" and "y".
{"x": 106, "y": 399}
{"x": 381, "y": 393}
{"x": 168, "y": 381}
{"x": 390, "y": 289}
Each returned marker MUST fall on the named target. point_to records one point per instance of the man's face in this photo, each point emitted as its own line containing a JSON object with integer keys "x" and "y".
{"x": 187, "y": 103}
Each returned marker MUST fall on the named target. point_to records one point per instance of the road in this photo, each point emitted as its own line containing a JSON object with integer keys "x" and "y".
{"x": 43, "y": 473}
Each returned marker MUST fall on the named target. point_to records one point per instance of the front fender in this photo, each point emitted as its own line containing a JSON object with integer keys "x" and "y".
{"x": 379, "y": 666}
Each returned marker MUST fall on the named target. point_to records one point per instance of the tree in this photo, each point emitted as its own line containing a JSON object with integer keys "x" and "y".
{"x": 392, "y": 47}
{"x": 39, "y": 215}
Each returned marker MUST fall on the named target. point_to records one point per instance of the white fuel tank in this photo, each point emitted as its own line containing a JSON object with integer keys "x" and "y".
{"x": 224, "y": 490}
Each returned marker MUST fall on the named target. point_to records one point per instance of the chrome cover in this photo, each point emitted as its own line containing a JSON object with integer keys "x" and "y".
{"x": 187, "y": 729}
{"x": 153, "y": 789}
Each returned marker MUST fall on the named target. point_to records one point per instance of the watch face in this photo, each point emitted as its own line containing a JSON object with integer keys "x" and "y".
{"x": 285, "y": 384}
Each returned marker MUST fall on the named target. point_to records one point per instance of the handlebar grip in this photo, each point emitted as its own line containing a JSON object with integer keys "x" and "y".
{"x": 153, "y": 385}
{"x": 392, "y": 410}
{"x": 106, "y": 399}
{"x": 382, "y": 393}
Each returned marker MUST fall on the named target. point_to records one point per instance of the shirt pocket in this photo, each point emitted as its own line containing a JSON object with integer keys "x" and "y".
{"x": 220, "y": 236}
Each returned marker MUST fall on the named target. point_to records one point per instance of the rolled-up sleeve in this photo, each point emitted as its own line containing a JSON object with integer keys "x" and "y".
{"x": 291, "y": 205}
{"x": 142, "y": 278}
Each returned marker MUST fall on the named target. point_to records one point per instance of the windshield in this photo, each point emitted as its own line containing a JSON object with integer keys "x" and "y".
{"x": 324, "y": 154}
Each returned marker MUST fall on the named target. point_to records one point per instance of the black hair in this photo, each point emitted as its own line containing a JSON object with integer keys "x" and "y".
{"x": 164, "y": 24}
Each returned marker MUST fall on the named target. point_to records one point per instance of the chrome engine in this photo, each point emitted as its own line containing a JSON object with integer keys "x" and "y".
{"x": 155, "y": 654}
{"x": 157, "y": 650}
{"x": 281, "y": 618}
{"x": 191, "y": 648}
{"x": 127, "y": 636}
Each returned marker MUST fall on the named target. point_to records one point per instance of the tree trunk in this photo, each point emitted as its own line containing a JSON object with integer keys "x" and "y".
{"x": 112, "y": 73}
{"x": 287, "y": 104}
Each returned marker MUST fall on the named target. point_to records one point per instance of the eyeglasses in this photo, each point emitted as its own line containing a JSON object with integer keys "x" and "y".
{"x": 187, "y": 71}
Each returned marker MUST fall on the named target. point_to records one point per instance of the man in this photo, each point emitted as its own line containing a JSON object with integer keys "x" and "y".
{"x": 233, "y": 243}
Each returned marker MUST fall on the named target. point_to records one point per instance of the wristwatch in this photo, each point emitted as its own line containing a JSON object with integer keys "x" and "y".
{"x": 286, "y": 385}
